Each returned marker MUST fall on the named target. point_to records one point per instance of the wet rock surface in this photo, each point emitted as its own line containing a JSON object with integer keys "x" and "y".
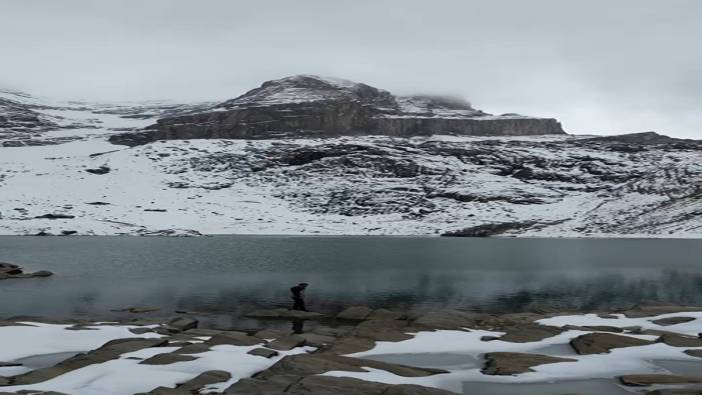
{"x": 12, "y": 271}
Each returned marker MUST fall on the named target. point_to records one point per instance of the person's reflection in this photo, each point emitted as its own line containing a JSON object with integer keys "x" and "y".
{"x": 298, "y": 325}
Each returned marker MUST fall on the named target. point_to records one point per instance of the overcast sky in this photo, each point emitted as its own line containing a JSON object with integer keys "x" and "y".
{"x": 599, "y": 66}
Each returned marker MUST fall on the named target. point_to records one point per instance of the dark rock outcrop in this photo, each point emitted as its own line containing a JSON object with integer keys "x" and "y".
{"x": 311, "y": 106}
{"x": 602, "y": 343}
{"x": 511, "y": 363}
{"x": 10, "y": 271}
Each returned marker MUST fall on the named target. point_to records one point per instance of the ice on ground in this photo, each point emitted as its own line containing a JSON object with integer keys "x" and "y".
{"x": 18, "y": 342}
{"x": 124, "y": 376}
{"x": 620, "y": 361}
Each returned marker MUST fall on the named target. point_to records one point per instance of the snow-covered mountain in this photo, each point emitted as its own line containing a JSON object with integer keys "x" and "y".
{"x": 313, "y": 106}
{"x": 65, "y": 169}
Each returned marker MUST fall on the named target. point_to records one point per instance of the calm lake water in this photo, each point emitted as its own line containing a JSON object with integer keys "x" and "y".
{"x": 230, "y": 274}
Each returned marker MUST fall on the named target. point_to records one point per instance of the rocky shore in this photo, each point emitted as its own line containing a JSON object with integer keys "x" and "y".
{"x": 649, "y": 349}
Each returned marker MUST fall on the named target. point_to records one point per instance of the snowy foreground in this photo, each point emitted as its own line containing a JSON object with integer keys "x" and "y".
{"x": 62, "y": 176}
{"x": 461, "y": 360}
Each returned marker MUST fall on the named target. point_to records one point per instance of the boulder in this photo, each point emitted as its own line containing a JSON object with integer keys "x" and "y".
{"x": 180, "y": 324}
{"x": 529, "y": 332}
{"x": 167, "y": 359}
{"x": 676, "y": 340}
{"x": 694, "y": 353}
{"x": 602, "y": 343}
{"x": 511, "y": 363}
{"x": 263, "y": 352}
{"x": 641, "y": 380}
{"x": 203, "y": 379}
{"x": 355, "y": 313}
{"x": 672, "y": 321}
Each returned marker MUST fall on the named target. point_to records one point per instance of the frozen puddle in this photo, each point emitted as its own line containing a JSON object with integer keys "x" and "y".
{"x": 430, "y": 360}
{"x": 581, "y": 387}
{"x": 45, "y": 360}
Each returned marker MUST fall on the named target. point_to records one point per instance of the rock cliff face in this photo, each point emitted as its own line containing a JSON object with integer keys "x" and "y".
{"x": 311, "y": 106}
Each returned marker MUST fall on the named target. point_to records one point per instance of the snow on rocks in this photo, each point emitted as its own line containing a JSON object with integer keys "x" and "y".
{"x": 559, "y": 186}
{"x": 437, "y": 361}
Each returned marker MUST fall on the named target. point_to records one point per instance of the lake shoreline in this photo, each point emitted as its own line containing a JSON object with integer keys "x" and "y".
{"x": 350, "y": 350}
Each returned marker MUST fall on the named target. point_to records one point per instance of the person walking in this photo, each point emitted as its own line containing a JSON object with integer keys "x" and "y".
{"x": 298, "y": 296}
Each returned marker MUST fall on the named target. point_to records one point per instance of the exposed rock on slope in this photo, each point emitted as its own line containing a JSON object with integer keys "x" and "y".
{"x": 312, "y": 106}
{"x": 67, "y": 179}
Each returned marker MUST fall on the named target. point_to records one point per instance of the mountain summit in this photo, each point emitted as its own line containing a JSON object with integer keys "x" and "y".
{"x": 314, "y": 106}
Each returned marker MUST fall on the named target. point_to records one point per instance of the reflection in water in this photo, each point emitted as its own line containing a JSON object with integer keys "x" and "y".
{"x": 229, "y": 276}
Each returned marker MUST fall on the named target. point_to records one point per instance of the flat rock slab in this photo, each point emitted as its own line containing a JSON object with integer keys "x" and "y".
{"x": 326, "y": 385}
{"x": 653, "y": 309}
{"x": 694, "y": 353}
{"x": 167, "y": 359}
{"x": 511, "y": 363}
{"x": 529, "y": 332}
{"x": 181, "y": 324}
{"x": 383, "y": 330}
{"x": 450, "y": 319}
{"x": 108, "y": 351}
{"x": 263, "y": 352}
{"x": 355, "y": 313}
{"x": 283, "y": 314}
{"x": 602, "y": 343}
{"x": 673, "y": 321}
{"x": 234, "y": 339}
{"x": 203, "y": 379}
{"x": 595, "y": 328}
{"x": 640, "y": 380}
{"x": 196, "y": 348}
{"x": 137, "y": 309}
{"x": 286, "y": 343}
{"x": 315, "y": 340}
{"x": 310, "y": 364}
{"x": 351, "y": 344}
{"x": 676, "y": 340}
{"x": 675, "y": 391}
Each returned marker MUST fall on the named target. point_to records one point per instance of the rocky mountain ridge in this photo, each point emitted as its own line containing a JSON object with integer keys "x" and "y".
{"x": 313, "y": 106}
{"x": 64, "y": 177}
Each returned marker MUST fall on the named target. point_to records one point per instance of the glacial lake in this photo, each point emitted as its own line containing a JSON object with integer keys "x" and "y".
{"x": 226, "y": 275}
